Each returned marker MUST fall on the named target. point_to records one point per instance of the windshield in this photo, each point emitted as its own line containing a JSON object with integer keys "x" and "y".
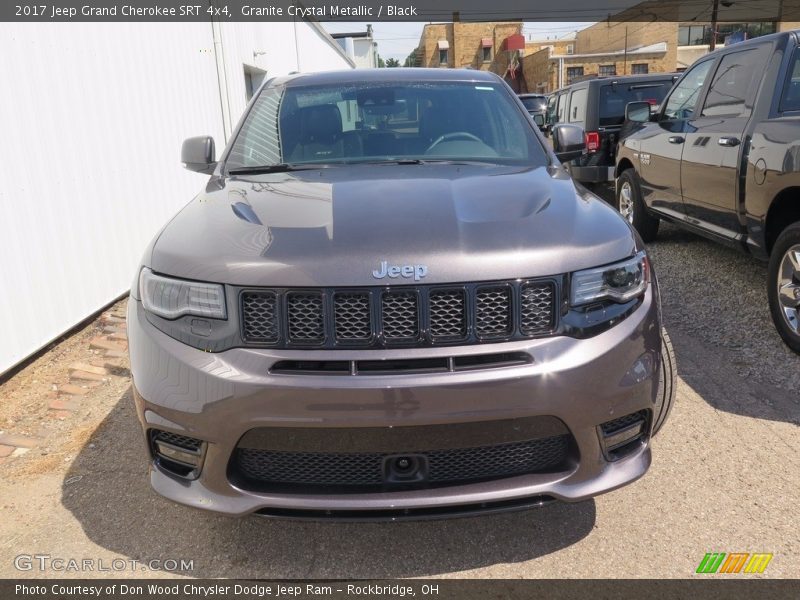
{"x": 534, "y": 102}
{"x": 385, "y": 122}
{"x": 615, "y": 97}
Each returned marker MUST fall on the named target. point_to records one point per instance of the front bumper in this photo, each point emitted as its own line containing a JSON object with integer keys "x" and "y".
{"x": 219, "y": 397}
{"x": 592, "y": 174}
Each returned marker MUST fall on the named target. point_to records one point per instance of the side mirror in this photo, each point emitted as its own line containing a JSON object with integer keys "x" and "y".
{"x": 197, "y": 154}
{"x": 539, "y": 120}
{"x": 569, "y": 142}
{"x": 638, "y": 112}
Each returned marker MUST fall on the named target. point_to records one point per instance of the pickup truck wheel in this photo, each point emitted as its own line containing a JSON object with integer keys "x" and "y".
{"x": 784, "y": 286}
{"x": 668, "y": 378}
{"x": 631, "y": 206}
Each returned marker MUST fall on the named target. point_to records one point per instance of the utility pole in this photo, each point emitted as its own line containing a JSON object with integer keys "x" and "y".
{"x": 625, "y": 54}
{"x": 714, "y": 12}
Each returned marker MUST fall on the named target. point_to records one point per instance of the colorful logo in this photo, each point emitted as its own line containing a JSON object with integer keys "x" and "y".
{"x": 735, "y": 562}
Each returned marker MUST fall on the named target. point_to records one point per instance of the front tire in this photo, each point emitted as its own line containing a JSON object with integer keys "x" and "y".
{"x": 630, "y": 205}
{"x": 783, "y": 286}
{"x": 667, "y": 383}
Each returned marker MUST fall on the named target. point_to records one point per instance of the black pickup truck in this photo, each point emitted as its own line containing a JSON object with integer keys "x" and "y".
{"x": 722, "y": 158}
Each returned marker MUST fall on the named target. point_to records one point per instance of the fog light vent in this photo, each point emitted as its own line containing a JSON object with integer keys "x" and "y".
{"x": 622, "y": 435}
{"x": 178, "y": 454}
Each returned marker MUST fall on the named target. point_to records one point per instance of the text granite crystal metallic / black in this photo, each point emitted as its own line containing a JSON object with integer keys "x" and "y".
{"x": 390, "y": 301}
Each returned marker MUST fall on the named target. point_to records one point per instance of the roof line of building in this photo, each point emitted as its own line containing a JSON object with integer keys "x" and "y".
{"x": 331, "y": 42}
{"x": 658, "y": 48}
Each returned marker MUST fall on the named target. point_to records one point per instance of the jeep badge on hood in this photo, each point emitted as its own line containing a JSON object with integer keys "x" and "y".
{"x": 393, "y": 271}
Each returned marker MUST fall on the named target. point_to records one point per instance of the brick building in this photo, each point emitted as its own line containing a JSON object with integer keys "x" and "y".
{"x": 491, "y": 46}
{"x": 628, "y": 48}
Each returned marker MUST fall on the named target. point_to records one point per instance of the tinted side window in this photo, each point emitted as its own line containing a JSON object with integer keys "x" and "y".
{"x": 615, "y": 97}
{"x": 577, "y": 106}
{"x": 561, "y": 108}
{"x": 534, "y": 103}
{"x": 734, "y": 85}
{"x": 551, "y": 108}
{"x": 682, "y": 100}
{"x": 791, "y": 92}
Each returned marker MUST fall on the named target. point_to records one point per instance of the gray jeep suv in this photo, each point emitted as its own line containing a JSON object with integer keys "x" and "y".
{"x": 391, "y": 301}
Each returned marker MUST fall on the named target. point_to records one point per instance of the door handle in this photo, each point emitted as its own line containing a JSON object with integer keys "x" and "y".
{"x": 728, "y": 141}
{"x": 675, "y": 139}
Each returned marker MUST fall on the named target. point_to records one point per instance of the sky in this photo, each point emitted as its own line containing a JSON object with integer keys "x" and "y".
{"x": 397, "y": 40}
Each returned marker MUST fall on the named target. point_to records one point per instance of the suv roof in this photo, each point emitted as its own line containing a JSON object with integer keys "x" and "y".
{"x": 387, "y": 75}
{"x": 620, "y": 79}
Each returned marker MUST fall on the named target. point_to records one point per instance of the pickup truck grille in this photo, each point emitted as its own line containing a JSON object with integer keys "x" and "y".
{"x": 399, "y": 316}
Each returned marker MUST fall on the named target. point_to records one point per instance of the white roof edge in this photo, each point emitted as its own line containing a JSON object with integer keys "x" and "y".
{"x": 650, "y": 49}
{"x": 331, "y": 42}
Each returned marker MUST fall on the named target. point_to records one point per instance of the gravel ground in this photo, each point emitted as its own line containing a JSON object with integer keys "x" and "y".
{"x": 720, "y": 296}
{"x": 725, "y": 475}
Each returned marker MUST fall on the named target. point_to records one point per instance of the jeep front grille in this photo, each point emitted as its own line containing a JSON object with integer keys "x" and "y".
{"x": 493, "y": 312}
{"x": 402, "y": 316}
{"x": 261, "y": 316}
{"x": 352, "y": 318}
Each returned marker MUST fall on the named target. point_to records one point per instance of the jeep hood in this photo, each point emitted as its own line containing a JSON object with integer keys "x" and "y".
{"x": 334, "y": 226}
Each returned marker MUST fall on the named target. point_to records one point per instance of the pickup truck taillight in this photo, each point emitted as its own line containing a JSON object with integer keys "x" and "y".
{"x": 592, "y": 141}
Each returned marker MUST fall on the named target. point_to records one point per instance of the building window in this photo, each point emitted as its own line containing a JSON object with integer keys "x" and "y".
{"x": 573, "y": 73}
{"x": 571, "y": 49}
{"x": 607, "y": 70}
{"x": 639, "y": 69}
{"x": 443, "y": 57}
{"x": 487, "y": 54}
{"x": 700, "y": 35}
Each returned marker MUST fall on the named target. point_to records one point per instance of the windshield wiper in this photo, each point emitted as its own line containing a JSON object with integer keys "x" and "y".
{"x": 276, "y": 168}
{"x": 422, "y": 161}
{"x": 386, "y": 161}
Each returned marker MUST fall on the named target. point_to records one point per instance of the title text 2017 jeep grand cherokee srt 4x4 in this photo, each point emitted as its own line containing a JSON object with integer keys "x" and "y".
{"x": 391, "y": 301}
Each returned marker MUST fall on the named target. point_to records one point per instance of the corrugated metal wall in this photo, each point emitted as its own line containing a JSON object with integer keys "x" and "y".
{"x": 93, "y": 116}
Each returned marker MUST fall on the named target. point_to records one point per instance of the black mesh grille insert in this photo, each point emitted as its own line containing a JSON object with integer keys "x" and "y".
{"x": 610, "y": 427}
{"x": 365, "y": 469}
{"x": 260, "y": 316}
{"x": 493, "y": 311}
{"x": 536, "y": 308}
{"x": 182, "y": 441}
{"x": 305, "y": 318}
{"x": 448, "y": 319}
{"x": 497, "y": 461}
{"x": 351, "y": 313}
{"x": 400, "y": 315}
{"x": 311, "y": 468}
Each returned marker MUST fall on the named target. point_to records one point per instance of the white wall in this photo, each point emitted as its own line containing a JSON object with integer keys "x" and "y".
{"x": 93, "y": 116}
{"x": 365, "y": 55}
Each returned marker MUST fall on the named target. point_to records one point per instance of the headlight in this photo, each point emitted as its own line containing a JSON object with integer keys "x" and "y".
{"x": 173, "y": 298}
{"x": 619, "y": 282}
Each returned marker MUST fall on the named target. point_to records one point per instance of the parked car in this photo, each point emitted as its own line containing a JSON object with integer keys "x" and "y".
{"x": 722, "y": 158}
{"x": 536, "y": 104}
{"x": 598, "y": 106}
{"x": 390, "y": 301}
